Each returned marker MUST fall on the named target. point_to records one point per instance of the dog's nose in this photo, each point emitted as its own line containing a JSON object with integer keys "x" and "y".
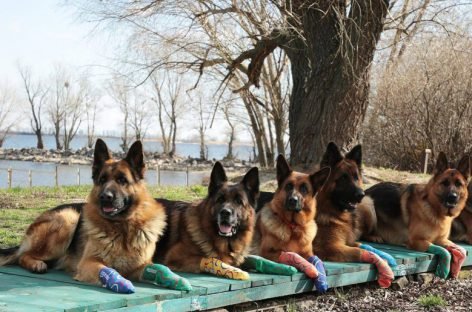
{"x": 225, "y": 213}
{"x": 452, "y": 197}
{"x": 359, "y": 195}
{"x": 293, "y": 200}
{"x": 106, "y": 196}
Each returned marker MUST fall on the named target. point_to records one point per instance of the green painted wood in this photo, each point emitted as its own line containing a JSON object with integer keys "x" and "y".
{"x": 56, "y": 291}
{"x": 233, "y": 284}
{"x": 145, "y": 293}
{"x": 468, "y": 248}
{"x": 420, "y": 256}
{"x": 57, "y": 295}
{"x": 6, "y": 305}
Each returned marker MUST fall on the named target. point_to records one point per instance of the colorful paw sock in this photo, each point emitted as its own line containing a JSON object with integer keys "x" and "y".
{"x": 321, "y": 282}
{"x": 458, "y": 257}
{"x": 263, "y": 265}
{"x": 444, "y": 263}
{"x": 113, "y": 281}
{"x": 385, "y": 274}
{"x": 294, "y": 259}
{"x": 390, "y": 260}
{"x": 219, "y": 268}
{"x": 161, "y": 275}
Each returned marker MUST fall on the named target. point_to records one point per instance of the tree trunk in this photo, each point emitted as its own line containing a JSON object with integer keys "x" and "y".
{"x": 330, "y": 78}
{"x": 230, "y": 155}
{"x": 57, "y": 137}
{"x": 39, "y": 136}
{"x": 202, "y": 144}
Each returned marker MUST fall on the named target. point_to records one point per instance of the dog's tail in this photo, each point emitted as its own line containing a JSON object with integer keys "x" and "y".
{"x": 9, "y": 255}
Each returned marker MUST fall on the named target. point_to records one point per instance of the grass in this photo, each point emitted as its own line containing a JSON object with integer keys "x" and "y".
{"x": 430, "y": 301}
{"x": 20, "y": 206}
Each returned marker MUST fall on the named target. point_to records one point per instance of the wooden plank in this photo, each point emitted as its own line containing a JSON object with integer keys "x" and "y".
{"x": 144, "y": 292}
{"x": 10, "y": 306}
{"x": 239, "y": 296}
{"x": 232, "y": 284}
{"x": 57, "y": 295}
{"x": 420, "y": 256}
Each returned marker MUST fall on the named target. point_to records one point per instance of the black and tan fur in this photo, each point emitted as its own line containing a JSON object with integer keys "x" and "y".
{"x": 287, "y": 222}
{"x": 462, "y": 226}
{"x": 417, "y": 215}
{"x": 118, "y": 227}
{"x": 338, "y": 217}
{"x": 195, "y": 230}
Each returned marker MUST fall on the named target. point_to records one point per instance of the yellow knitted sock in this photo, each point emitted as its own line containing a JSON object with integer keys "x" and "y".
{"x": 219, "y": 268}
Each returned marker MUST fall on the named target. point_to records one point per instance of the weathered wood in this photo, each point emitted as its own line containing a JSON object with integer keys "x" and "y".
{"x": 21, "y": 290}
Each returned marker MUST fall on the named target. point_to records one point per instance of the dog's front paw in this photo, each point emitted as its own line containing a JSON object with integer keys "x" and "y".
{"x": 113, "y": 281}
{"x": 161, "y": 275}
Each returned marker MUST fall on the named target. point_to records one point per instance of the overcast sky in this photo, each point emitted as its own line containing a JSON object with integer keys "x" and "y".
{"x": 41, "y": 34}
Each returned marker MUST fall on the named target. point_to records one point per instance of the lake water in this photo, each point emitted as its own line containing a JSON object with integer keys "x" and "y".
{"x": 216, "y": 151}
{"x": 43, "y": 174}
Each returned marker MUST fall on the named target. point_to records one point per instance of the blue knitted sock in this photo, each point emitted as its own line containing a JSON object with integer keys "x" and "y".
{"x": 390, "y": 260}
{"x": 321, "y": 282}
{"x": 115, "y": 282}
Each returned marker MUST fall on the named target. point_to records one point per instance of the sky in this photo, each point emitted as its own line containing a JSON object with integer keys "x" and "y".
{"x": 42, "y": 34}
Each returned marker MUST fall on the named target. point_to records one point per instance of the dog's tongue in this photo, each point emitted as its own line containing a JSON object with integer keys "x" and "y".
{"x": 108, "y": 209}
{"x": 225, "y": 228}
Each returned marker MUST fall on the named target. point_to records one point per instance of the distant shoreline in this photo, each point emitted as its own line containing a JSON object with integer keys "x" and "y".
{"x": 146, "y": 139}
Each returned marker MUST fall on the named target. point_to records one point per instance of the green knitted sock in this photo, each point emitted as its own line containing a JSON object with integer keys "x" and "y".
{"x": 161, "y": 275}
{"x": 444, "y": 262}
{"x": 263, "y": 265}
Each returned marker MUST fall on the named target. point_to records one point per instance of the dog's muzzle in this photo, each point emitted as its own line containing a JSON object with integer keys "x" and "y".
{"x": 227, "y": 223}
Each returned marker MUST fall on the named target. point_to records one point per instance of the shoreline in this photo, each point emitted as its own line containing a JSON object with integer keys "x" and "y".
{"x": 84, "y": 156}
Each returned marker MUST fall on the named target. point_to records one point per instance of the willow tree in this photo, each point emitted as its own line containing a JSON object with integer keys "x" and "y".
{"x": 330, "y": 45}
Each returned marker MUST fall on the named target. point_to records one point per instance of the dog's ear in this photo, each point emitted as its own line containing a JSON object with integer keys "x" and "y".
{"x": 283, "y": 169}
{"x": 217, "y": 178}
{"x": 441, "y": 164}
{"x": 319, "y": 178}
{"x": 100, "y": 156}
{"x": 135, "y": 158}
{"x": 250, "y": 183}
{"x": 332, "y": 156}
{"x": 356, "y": 155}
{"x": 464, "y": 166}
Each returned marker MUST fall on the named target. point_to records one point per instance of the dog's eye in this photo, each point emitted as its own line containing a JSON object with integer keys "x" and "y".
{"x": 102, "y": 180}
{"x": 220, "y": 199}
{"x": 238, "y": 200}
{"x": 289, "y": 186}
{"x": 458, "y": 183}
{"x": 122, "y": 180}
{"x": 355, "y": 177}
{"x": 445, "y": 183}
{"x": 303, "y": 189}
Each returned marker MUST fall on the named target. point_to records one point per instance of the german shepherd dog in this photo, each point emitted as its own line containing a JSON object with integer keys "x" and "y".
{"x": 419, "y": 215}
{"x": 218, "y": 229}
{"x": 287, "y": 222}
{"x": 462, "y": 226}
{"x": 118, "y": 227}
{"x": 338, "y": 218}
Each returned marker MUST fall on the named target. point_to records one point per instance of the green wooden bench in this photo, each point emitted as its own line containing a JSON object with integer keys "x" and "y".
{"x": 57, "y": 291}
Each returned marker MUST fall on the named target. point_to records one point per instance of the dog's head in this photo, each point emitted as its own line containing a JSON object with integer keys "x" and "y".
{"x": 447, "y": 189}
{"x": 231, "y": 206}
{"x": 294, "y": 199}
{"x": 344, "y": 186}
{"x": 116, "y": 183}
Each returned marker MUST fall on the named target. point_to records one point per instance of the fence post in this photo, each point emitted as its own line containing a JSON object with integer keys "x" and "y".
{"x": 186, "y": 177}
{"x": 78, "y": 176}
{"x": 30, "y": 178}
{"x": 56, "y": 176}
{"x": 426, "y": 159}
{"x": 10, "y": 173}
{"x": 158, "y": 175}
